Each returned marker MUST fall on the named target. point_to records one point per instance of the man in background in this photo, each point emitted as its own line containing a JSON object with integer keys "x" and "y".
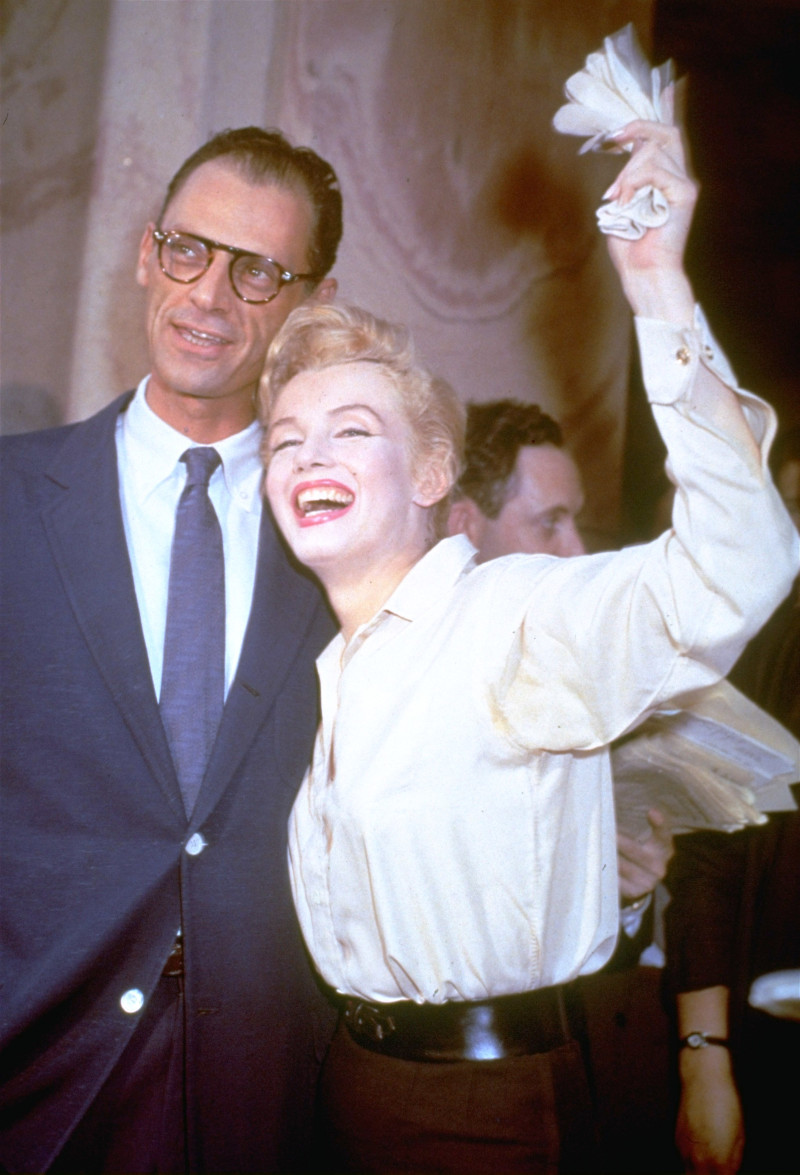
{"x": 521, "y": 491}
{"x": 159, "y": 707}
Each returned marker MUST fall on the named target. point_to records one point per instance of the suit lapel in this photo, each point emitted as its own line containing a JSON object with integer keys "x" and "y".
{"x": 285, "y": 606}
{"x": 92, "y": 557}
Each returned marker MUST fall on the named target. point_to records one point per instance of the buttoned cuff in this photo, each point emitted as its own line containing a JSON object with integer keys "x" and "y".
{"x": 671, "y": 354}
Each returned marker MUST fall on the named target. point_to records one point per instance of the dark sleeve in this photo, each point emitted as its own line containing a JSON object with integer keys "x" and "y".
{"x": 705, "y": 880}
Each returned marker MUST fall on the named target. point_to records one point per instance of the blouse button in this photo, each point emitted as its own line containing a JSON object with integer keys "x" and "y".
{"x": 682, "y": 355}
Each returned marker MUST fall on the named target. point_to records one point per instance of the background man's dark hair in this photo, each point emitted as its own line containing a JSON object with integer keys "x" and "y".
{"x": 496, "y": 432}
{"x": 267, "y": 156}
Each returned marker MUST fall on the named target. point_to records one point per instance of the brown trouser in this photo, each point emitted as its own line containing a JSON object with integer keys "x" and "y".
{"x": 522, "y": 1114}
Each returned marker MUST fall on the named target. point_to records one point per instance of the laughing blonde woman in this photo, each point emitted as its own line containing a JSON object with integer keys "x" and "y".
{"x": 452, "y": 848}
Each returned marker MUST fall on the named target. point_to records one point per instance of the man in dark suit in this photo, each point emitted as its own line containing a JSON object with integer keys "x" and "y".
{"x": 159, "y": 1013}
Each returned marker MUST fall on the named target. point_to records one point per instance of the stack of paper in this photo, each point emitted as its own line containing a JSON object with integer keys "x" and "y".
{"x": 719, "y": 761}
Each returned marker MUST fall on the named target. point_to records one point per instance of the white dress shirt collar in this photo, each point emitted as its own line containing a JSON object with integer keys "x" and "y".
{"x": 155, "y": 448}
{"x": 433, "y": 575}
{"x": 151, "y": 482}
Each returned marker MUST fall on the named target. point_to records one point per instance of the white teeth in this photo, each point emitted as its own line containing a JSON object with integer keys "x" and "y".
{"x": 322, "y": 498}
{"x": 201, "y": 337}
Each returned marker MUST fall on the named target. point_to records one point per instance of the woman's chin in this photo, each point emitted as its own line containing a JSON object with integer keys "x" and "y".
{"x": 316, "y": 547}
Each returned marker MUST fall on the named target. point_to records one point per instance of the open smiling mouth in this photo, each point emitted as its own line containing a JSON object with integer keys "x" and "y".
{"x": 321, "y": 502}
{"x": 200, "y": 338}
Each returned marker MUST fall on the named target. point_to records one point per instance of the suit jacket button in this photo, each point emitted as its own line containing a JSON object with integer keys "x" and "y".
{"x": 132, "y": 1000}
{"x": 195, "y": 844}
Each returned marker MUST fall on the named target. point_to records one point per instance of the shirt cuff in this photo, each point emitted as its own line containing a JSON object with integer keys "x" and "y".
{"x": 671, "y": 354}
{"x": 631, "y": 917}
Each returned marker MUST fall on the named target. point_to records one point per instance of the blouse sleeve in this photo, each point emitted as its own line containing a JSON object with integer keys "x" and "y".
{"x": 594, "y": 643}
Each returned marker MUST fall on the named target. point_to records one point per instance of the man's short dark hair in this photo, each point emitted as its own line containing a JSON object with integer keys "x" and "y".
{"x": 267, "y": 156}
{"x": 496, "y": 431}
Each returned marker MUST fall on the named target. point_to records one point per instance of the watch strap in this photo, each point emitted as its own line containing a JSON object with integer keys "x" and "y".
{"x": 701, "y": 1040}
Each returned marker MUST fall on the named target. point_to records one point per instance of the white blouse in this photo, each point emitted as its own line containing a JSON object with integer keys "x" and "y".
{"x": 454, "y": 837}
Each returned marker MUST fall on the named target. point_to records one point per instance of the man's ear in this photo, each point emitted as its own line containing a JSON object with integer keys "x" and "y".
{"x": 433, "y": 484}
{"x": 457, "y": 518}
{"x": 466, "y": 517}
{"x": 146, "y": 249}
{"x": 325, "y": 291}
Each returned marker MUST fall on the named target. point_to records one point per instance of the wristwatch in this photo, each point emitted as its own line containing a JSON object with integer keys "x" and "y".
{"x": 701, "y": 1040}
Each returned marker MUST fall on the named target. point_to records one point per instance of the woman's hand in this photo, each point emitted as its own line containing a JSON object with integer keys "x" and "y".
{"x": 651, "y": 269}
{"x": 709, "y": 1133}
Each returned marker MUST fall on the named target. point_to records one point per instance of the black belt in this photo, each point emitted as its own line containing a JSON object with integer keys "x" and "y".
{"x": 482, "y": 1030}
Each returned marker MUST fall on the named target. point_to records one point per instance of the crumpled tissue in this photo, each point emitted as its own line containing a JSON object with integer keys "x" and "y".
{"x": 616, "y": 86}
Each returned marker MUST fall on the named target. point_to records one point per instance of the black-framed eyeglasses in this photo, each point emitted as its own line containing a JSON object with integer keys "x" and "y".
{"x": 185, "y": 257}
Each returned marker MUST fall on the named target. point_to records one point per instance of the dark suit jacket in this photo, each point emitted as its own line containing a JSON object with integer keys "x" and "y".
{"x": 96, "y": 879}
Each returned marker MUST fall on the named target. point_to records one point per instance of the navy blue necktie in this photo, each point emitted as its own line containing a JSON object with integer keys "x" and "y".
{"x": 193, "y": 677}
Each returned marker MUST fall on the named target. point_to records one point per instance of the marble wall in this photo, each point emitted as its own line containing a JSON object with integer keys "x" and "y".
{"x": 465, "y": 214}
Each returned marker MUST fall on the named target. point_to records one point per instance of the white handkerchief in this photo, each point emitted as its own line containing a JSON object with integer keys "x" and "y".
{"x": 647, "y": 209}
{"x": 616, "y": 86}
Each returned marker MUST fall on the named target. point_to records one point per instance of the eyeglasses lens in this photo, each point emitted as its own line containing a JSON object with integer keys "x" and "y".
{"x": 183, "y": 257}
{"x": 254, "y": 278}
